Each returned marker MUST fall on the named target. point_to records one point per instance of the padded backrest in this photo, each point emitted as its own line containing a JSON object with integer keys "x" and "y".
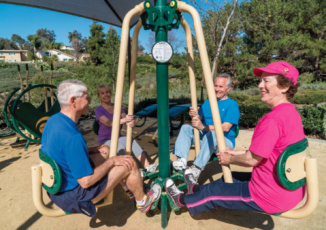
{"x": 51, "y": 173}
{"x": 96, "y": 127}
{"x": 290, "y": 165}
{"x": 33, "y": 119}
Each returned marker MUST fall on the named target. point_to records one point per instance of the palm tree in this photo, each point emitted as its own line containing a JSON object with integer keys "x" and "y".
{"x": 35, "y": 41}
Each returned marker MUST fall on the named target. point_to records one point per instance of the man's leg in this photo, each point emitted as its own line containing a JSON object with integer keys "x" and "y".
{"x": 208, "y": 147}
{"x": 119, "y": 173}
{"x": 182, "y": 146}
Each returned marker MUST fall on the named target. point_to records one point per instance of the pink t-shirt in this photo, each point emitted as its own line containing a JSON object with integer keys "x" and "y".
{"x": 273, "y": 133}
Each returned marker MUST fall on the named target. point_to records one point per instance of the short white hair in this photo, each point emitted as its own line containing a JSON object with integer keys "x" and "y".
{"x": 225, "y": 75}
{"x": 70, "y": 88}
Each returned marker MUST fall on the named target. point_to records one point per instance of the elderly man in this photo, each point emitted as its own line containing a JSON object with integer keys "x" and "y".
{"x": 203, "y": 121}
{"x": 86, "y": 178}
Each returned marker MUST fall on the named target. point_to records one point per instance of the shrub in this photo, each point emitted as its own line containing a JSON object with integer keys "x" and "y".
{"x": 313, "y": 119}
{"x": 309, "y": 97}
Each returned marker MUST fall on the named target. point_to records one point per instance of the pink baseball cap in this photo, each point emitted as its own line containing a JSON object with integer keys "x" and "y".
{"x": 281, "y": 67}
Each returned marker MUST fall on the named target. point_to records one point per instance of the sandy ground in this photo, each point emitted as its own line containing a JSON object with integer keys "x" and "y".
{"x": 18, "y": 211}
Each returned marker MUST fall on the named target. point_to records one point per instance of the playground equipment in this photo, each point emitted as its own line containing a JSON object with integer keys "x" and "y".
{"x": 160, "y": 19}
{"x": 28, "y": 121}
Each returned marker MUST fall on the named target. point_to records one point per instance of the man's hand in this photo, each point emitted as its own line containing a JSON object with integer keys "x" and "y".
{"x": 224, "y": 157}
{"x": 196, "y": 123}
{"x": 193, "y": 112}
{"x": 125, "y": 161}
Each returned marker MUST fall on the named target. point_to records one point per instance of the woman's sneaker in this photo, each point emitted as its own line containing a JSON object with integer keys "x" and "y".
{"x": 180, "y": 164}
{"x": 173, "y": 192}
{"x": 152, "y": 196}
{"x": 190, "y": 180}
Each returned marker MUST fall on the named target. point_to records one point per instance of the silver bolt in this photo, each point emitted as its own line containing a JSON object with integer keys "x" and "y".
{"x": 288, "y": 170}
{"x": 51, "y": 177}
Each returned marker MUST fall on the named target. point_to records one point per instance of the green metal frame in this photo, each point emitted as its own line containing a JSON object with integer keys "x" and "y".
{"x": 160, "y": 16}
{"x": 29, "y": 106}
{"x": 57, "y": 175}
{"x": 289, "y": 151}
{"x": 142, "y": 124}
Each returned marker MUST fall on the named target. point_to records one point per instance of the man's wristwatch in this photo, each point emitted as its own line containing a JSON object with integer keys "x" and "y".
{"x": 204, "y": 126}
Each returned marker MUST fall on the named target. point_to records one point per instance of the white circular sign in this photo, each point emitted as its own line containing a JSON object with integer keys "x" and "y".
{"x": 162, "y": 52}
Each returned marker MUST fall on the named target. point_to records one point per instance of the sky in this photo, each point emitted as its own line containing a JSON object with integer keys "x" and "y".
{"x": 27, "y": 20}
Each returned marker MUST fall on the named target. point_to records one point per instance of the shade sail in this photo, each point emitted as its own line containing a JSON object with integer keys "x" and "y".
{"x": 107, "y": 11}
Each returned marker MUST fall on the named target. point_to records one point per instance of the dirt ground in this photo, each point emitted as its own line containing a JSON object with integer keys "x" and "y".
{"x": 18, "y": 211}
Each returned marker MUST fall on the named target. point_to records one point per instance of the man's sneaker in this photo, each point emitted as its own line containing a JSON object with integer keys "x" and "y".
{"x": 195, "y": 172}
{"x": 190, "y": 180}
{"x": 152, "y": 196}
{"x": 130, "y": 195}
{"x": 152, "y": 168}
{"x": 173, "y": 192}
{"x": 180, "y": 164}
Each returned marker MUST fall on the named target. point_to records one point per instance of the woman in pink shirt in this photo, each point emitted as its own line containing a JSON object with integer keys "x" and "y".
{"x": 261, "y": 189}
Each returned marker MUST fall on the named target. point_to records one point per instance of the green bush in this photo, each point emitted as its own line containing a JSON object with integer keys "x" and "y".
{"x": 309, "y": 97}
{"x": 313, "y": 119}
{"x": 251, "y": 113}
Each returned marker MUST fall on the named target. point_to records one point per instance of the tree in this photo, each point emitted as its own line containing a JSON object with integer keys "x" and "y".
{"x": 35, "y": 41}
{"x": 16, "y": 39}
{"x": 96, "y": 42}
{"x": 140, "y": 47}
{"x": 173, "y": 39}
{"x": 74, "y": 35}
{"x": 48, "y": 34}
{"x": 83, "y": 45}
{"x": 217, "y": 19}
{"x": 75, "y": 40}
{"x": 110, "y": 54}
{"x": 6, "y": 44}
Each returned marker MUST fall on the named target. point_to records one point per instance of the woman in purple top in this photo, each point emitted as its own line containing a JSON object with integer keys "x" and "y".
{"x": 104, "y": 116}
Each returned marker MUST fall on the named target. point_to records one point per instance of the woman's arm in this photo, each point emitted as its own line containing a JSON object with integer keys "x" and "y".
{"x": 124, "y": 119}
{"x": 246, "y": 159}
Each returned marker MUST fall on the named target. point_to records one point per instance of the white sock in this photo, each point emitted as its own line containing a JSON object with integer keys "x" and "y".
{"x": 142, "y": 202}
{"x": 125, "y": 187}
{"x": 141, "y": 173}
{"x": 184, "y": 161}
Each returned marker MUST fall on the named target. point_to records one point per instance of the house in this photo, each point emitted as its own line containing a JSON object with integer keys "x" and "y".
{"x": 67, "y": 48}
{"x": 83, "y": 57}
{"x": 62, "y": 56}
{"x": 13, "y": 55}
{"x": 140, "y": 53}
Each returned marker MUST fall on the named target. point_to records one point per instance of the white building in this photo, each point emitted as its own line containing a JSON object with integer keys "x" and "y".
{"x": 61, "y": 55}
{"x": 67, "y": 48}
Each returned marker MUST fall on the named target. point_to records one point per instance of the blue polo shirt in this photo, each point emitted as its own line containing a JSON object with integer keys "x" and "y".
{"x": 64, "y": 143}
{"x": 229, "y": 112}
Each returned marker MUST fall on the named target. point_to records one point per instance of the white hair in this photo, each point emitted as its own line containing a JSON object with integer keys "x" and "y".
{"x": 70, "y": 88}
{"x": 225, "y": 75}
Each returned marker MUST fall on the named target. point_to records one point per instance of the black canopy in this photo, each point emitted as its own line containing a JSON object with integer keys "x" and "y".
{"x": 107, "y": 11}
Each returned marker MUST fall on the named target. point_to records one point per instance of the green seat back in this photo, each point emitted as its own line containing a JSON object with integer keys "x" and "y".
{"x": 57, "y": 177}
{"x": 96, "y": 127}
{"x": 33, "y": 119}
{"x": 281, "y": 170}
{"x": 237, "y": 130}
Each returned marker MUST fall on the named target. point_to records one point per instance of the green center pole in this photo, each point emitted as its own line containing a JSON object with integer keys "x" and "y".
{"x": 163, "y": 117}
